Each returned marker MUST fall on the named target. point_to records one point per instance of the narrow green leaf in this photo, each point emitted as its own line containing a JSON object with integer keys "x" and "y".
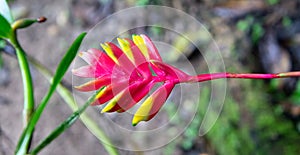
{"x": 5, "y": 29}
{"x": 68, "y": 98}
{"x": 66, "y": 61}
{"x": 64, "y": 125}
{"x": 5, "y": 11}
{"x": 61, "y": 70}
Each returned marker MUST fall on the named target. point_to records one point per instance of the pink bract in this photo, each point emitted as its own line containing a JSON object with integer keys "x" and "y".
{"x": 127, "y": 74}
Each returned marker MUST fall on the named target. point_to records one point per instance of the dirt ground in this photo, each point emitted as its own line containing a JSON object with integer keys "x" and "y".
{"x": 47, "y": 43}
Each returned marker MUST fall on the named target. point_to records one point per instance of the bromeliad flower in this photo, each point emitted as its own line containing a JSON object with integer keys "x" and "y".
{"x": 128, "y": 74}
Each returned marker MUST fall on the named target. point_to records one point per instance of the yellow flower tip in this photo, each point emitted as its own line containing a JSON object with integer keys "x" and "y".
{"x": 103, "y": 111}
{"x": 120, "y": 41}
{"x": 112, "y": 103}
{"x": 102, "y": 45}
{"x": 134, "y": 124}
{"x": 106, "y": 48}
{"x": 109, "y": 52}
{"x": 109, "y": 106}
{"x": 142, "y": 113}
{"x": 137, "y": 119}
{"x": 139, "y": 41}
{"x": 100, "y": 93}
{"x": 125, "y": 46}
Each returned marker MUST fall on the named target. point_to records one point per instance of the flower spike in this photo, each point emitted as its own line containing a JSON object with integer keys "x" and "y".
{"x": 125, "y": 76}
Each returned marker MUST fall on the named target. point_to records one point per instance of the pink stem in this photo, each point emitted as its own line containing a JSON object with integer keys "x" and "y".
{"x": 213, "y": 76}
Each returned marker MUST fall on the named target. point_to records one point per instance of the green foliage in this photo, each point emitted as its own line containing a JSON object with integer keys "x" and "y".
{"x": 250, "y": 25}
{"x": 147, "y": 2}
{"x": 2, "y": 44}
{"x": 191, "y": 133}
{"x": 68, "y": 98}
{"x": 61, "y": 70}
{"x": 245, "y": 24}
{"x": 257, "y": 32}
{"x": 228, "y": 135}
{"x": 275, "y": 134}
{"x": 5, "y": 29}
{"x": 66, "y": 61}
{"x": 170, "y": 147}
{"x": 295, "y": 97}
{"x": 65, "y": 124}
{"x": 259, "y": 132}
{"x": 286, "y": 21}
{"x": 273, "y": 2}
{"x": 142, "y": 2}
{"x": 248, "y": 124}
{"x": 156, "y": 30}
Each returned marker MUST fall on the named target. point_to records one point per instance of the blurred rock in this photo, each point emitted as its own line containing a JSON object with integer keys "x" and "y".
{"x": 232, "y": 8}
{"x": 273, "y": 57}
{"x": 89, "y": 12}
{"x": 4, "y": 101}
{"x": 4, "y": 77}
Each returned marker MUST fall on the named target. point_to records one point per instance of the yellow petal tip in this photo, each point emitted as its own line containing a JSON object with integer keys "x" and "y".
{"x": 108, "y": 107}
{"x": 135, "y": 121}
{"x": 109, "y": 52}
{"x": 138, "y": 118}
{"x": 125, "y": 46}
{"x": 103, "y": 111}
{"x": 139, "y": 41}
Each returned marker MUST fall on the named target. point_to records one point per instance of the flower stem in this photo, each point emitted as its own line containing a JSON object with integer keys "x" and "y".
{"x": 64, "y": 125}
{"x": 225, "y": 75}
{"x": 27, "y": 81}
{"x": 68, "y": 98}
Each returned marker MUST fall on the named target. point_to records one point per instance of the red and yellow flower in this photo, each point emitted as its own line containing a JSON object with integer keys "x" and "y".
{"x": 127, "y": 74}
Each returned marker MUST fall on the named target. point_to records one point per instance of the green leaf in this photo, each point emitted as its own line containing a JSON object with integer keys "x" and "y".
{"x": 273, "y": 2}
{"x": 5, "y": 11}
{"x": 66, "y": 61}
{"x": 68, "y": 98}
{"x": 64, "y": 125}
{"x": 5, "y": 29}
{"x": 286, "y": 21}
{"x": 257, "y": 32}
{"x": 60, "y": 71}
{"x": 243, "y": 25}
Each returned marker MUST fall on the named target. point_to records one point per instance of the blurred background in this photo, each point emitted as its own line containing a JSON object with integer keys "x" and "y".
{"x": 258, "y": 117}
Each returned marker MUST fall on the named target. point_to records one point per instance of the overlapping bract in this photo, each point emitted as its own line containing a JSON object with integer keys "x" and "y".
{"x": 127, "y": 74}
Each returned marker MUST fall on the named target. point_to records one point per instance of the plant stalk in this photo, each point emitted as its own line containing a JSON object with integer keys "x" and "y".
{"x": 86, "y": 120}
{"x": 225, "y": 75}
{"x": 28, "y": 108}
{"x": 64, "y": 125}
